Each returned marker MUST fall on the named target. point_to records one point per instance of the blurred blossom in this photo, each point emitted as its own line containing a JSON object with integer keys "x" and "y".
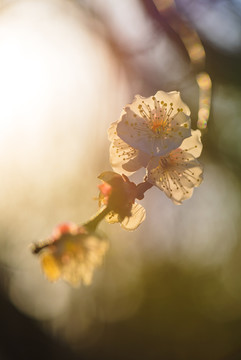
{"x": 72, "y": 253}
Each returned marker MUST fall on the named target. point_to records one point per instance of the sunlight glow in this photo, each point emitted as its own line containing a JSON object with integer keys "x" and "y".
{"x": 52, "y": 68}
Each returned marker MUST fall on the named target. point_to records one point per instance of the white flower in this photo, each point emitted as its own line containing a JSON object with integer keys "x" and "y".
{"x": 178, "y": 172}
{"x": 155, "y": 125}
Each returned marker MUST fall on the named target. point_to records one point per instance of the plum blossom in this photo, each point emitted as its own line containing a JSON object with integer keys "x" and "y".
{"x": 178, "y": 172}
{"x": 72, "y": 253}
{"x": 155, "y": 133}
{"x": 154, "y": 126}
{"x": 118, "y": 194}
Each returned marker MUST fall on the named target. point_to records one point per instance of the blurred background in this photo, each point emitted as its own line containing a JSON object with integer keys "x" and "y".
{"x": 171, "y": 289}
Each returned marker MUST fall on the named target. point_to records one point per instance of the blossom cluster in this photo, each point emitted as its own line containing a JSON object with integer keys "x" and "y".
{"x": 155, "y": 133}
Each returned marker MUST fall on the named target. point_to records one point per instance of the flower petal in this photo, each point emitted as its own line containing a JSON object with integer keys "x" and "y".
{"x": 176, "y": 174}
{"x": 193, "y": 144}
{"x": 79, "y": 266}
{"x": 124, "y": 159}
{"x": 108, "y": 176}
{"x": 172, "y": 97}
{"x": 112, "y": 131}
{"x": 50, "y": 267}
{"x": 138, "y": 215}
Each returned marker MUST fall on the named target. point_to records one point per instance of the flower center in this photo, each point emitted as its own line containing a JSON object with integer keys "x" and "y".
{"x": 158, "y": 125}
{"x": 158, "y": 117}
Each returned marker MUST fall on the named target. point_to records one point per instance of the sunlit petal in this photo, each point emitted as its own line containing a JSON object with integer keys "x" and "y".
{"x": 138, "y": 215}
{"x": 50, "y": 267}
{"x": 170, "y": 97}
{"x": 124, "y": 159}
{"x": 193, "y": 144}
